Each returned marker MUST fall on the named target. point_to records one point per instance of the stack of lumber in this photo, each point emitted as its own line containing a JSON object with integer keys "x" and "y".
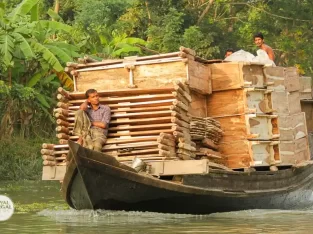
{"x": 209, "y": 128}
{"x": 242, "y": 104}
{"x": 206, "y": 133}
{"x": 54, "y": 155}
{"x": 140, "y": 119}
{"x": 258, "y": 109}
{"x": 143, "y": 72}
{"x": 287, "y": 89}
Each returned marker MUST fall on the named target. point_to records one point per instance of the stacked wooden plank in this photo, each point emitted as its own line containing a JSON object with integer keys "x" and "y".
{"x": 54, "y": 155}
{"x": 141, "y": 120}
{"x": 144, "y": 72}
{"x": 285, "y": 83}
{"x": 206, "y": 133}
{"x": 242, "y": 104}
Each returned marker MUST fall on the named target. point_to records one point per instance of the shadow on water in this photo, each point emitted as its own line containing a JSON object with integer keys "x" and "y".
{"x": 40, "y": 209}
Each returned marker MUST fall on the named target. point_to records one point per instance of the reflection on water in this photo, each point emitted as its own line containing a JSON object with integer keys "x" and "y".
{"x": 40, "y": 209}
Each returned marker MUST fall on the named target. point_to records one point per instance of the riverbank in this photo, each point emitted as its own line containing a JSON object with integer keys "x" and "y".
{"x": 21, "y": 158}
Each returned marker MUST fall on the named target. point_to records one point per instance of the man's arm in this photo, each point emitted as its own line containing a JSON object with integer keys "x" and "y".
{"x": 99, "y": 124}
{"x": 270, "y": 53}
{"x": 84, "y": 106}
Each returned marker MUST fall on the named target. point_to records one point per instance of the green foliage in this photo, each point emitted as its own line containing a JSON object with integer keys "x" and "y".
{"x": 20, "y": 158}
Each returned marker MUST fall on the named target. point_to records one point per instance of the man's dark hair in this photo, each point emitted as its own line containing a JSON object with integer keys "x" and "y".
{"x": 259, "y": 34}
{"x": 230, "y": 50}
{"x": 89, "y": 91}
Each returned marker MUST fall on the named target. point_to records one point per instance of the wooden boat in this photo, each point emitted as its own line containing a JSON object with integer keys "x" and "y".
{"x": 97, "y": 181}
{"x": 152, "y": 100}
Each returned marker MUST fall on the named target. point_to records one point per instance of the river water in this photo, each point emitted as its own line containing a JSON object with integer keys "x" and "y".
{"x": 39, "y": 208}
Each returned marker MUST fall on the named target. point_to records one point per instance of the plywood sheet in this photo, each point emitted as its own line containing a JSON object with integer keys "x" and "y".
{"x": 307, "y": 108}
{"x": 293, "y": 152}
{"x": 236, "y": 75}
{"x": 53, "y": 172}
{"x": 160, "y": 74}
{"x": 199, "y": 77}
{"x": 292, "y": 127}
{"x": 198, "y": 105}
{"x": 282, "y": 78}
{"x": 239, "y": 101}
{"x": 286, "y": 103}
{"x": 254, "y": 127}
{"x": 305, "y": 87}
{"x": 244, "y": 153}
{"x": 178, "y": 167}
{"x": 115, "y": 78}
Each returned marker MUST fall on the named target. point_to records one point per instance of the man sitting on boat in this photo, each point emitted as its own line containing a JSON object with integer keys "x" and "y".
{"x": 92, "y": 122}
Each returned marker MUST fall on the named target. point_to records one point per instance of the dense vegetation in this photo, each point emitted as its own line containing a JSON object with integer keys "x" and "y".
{"x": 38, "y": 37}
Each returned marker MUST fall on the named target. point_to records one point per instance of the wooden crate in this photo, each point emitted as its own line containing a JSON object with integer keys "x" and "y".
{"x": 286, "y": 103}
{"x": 244, "y": 153}
{"x": 251, "y": 126}
{"x": 152, "y": 73}
{"x": 292, "y": 127}
{"x": 293, "y": 152}
{"x": 236, "y": 75}
{"x": 282, "y": 78}
{"x": 239, "y": 101}
{"x": 305, "y": 87}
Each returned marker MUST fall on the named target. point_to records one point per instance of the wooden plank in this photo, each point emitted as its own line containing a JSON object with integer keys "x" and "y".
{"x": 130, "y": 140}
{"x": 286, "y": 103}
{"x": 138, "y": 98}
{"x": 141, "y": 121}
{"x": 146, "y": 126}
{"x": 254, "y": 127}
{"x": 292, "y": 127}
{"x": 239, "y": 101}
{"x": 199, "y": 77}
{"x": 124, "y": 92}
{"x": 305, "y": 87}
{"x": 282, "y": 78}
{"x": 236, "y": 75}
{"x": 244, "y": 153}
{"x": 53, "y": 172}
{"x": 198, "y": 105}
{"x": 307, "y": 108}
{"x": 108, "y": 147}
{"x": 179, "y": 167}
{"x": 142, "y": 114}
{"x": 140, "y": 133}
{"x": 294, "y": 152}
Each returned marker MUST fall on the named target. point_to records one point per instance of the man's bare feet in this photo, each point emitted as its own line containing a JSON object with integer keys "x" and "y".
{"x": 80, "y": 141}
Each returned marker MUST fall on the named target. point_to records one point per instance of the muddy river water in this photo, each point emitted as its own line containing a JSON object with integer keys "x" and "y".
{"x": 39, "y": 208}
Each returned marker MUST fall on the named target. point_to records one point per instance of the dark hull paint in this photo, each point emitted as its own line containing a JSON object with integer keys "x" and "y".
{"x": 98, "y": 181}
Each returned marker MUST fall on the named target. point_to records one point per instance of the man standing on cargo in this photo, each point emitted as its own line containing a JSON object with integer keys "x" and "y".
{"x": 92, "y": 122}
{"x": 259, "y": 41}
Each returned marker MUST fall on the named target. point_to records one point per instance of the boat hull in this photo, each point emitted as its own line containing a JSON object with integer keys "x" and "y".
{"x": 98, "y": 181}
